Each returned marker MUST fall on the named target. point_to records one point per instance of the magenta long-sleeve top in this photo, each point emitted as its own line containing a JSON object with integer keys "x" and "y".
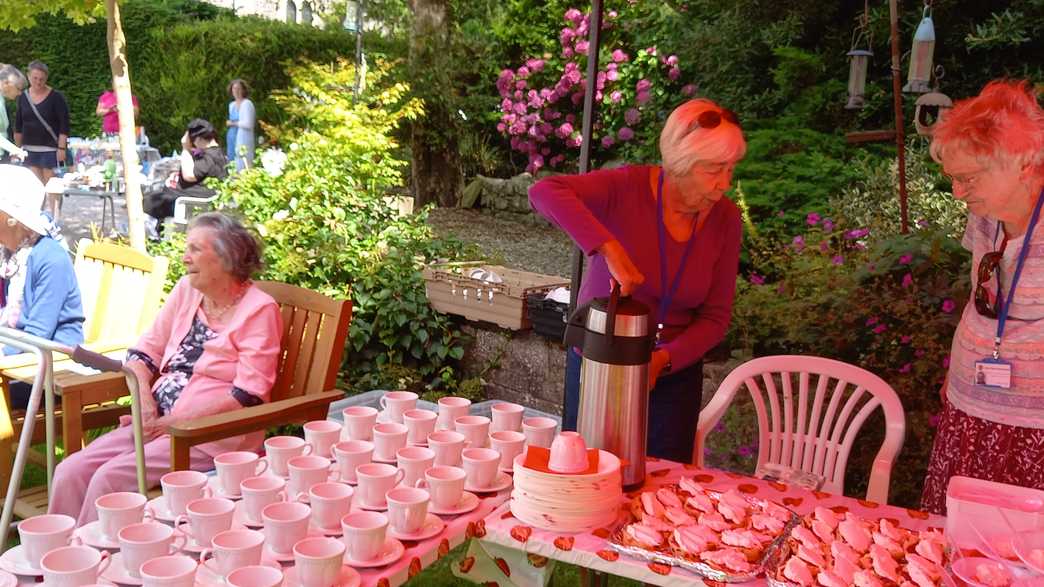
{"x": 620, "y": 204}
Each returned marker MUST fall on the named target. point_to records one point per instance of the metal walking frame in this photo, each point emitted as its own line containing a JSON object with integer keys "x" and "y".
{"x": 43, "y": 384}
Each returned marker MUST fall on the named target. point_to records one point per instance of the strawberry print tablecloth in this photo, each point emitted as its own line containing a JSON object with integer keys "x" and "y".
{"x": 521, "y": 555}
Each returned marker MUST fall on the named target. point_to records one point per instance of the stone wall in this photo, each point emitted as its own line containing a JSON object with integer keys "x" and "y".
{"x": 526, "y": 368}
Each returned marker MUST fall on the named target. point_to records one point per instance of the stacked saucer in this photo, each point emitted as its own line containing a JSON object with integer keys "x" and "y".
{"x": 568, "y": 502}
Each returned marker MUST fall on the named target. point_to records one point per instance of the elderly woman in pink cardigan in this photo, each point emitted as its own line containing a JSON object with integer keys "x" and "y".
{"x": 213, "y": 348}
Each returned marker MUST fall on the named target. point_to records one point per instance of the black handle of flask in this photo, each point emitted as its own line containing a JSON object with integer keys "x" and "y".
{"x": 610, "y": 315}
{"x": 576, "y": 327}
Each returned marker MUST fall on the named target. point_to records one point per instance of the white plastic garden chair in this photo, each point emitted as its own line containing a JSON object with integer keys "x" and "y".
{"x": 812, "y": 427}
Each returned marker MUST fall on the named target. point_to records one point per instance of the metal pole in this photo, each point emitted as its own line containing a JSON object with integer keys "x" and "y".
{"x": 358, "y": 46}
{"x": 897, "y": 94}
{"x": 593, "y": 47}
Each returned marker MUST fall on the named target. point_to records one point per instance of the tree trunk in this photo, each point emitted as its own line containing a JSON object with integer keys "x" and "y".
{"x": 436, "y": 169}
{"x": 128, "y": 148}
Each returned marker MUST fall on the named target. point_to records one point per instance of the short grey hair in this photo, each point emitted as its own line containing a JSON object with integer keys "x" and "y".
{"x": 238, "y": 248}
{"x": 40, "y": 66}
{"x": 13, "y": 75}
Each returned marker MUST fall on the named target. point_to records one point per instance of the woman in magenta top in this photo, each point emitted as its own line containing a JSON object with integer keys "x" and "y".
{"x": 213, "y": 348}
{"x": 670, "y": 237}
{"x": 110, "y": 112}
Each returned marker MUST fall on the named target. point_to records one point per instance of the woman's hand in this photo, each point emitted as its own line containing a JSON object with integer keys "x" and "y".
{"x": 660, "y": 358}
{"x": 621, "y": 267}
{"x": 186, "y": 142}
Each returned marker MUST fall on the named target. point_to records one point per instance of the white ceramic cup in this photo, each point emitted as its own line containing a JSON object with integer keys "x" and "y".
{"x": 451, "y": 408}
{"x": 181, "y": 487}
{"x": 255, "y": 576}
{"x": 364, "y": 534}
{"x": 539, "y": 431}
{"x": 506, "y": 416}
{"x": 480, "y": 466}
{"x": 169, "y": 571}
{"x": 330, "y": 502}
{"x": 206, "y": 517}
{"x": 350, "y": 454}
{"x": 285, "y": 524}
{"x": 145, "y": 541}
{"x": 475, "y": 429}
{"x": 394, "y": 403}
{"x": 407, "y": 509}
{"x": 568, "y": 453}
{"x": 322, "y": 434}
{"x": 280, "y": 449}
{"x": 318, "y": 561}
{"x": 445, "y": 485}
{"x": 40, "y": 534}
{"x": 232, "y": 467}
{"x": 419, "y": 424}
{"x": 447, "y": 446}
{"x": 388, "y": 437}
{"x": 73, "y": 566}
{"x": 306, "y": 471}
{"x": 413, "y": 461}
{"x": 509, "y": 444}
{"x": 233, "y": 549}
{"x": 118, "y": 510}
{"x": 358, "y": 422}
{"x": 260, "y": 491}
{"x": 375, "y": 479}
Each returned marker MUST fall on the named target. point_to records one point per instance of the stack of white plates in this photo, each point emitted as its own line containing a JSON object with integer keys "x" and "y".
{"x": 568, "y": 503}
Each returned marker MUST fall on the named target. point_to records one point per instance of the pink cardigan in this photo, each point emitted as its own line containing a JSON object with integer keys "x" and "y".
{"x": 244, "y": 354}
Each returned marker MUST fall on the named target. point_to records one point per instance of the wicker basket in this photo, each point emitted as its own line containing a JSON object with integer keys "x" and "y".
{"x": 450, "y": 290}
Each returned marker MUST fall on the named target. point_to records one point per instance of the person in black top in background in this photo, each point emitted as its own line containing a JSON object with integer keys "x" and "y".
{"x": 42, "y": 128}
{"x": 201, "y": 158}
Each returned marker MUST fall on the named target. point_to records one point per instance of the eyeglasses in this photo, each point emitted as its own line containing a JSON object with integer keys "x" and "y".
{"x": 712, "y": 119}
{"x": 987, "y": 266}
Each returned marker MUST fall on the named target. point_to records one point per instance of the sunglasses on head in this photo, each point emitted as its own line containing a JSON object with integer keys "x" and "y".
{"x": 712, "y": 119}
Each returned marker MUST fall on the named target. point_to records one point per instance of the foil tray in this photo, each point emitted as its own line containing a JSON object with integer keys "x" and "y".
{"x": 769, "y": 559}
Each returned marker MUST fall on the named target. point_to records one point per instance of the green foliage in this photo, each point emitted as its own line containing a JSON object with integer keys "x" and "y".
{"x": 871, "y": 200}
{"x": 1003, "y": 29}
{"x": 326, "y": 225}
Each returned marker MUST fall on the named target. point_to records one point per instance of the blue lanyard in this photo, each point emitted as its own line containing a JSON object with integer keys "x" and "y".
{"x": 666, "y": 295}
{"x": 1002, "y": 315}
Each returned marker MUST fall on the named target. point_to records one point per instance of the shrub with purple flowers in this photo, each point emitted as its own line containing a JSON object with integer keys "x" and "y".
{"x": 541, "y": 105}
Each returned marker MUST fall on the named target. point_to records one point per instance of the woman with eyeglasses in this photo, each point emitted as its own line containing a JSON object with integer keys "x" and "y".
{"x": 992, "y": 425}
{"x": 670, "y": 238}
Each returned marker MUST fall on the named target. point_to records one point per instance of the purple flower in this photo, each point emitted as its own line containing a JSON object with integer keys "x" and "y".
{"x": 612, "y": 75}
{"x": 619, "y": 56}
{"x": 567, "y": 52}
{"x": 919, "y": 353}
{"x": 688, "y": 89}
{"x": 905, "y": 339}
{"x": 812, "y": 219}
{"x": 922, "y": 223}
{"x": 906, "y": 368}
{"x": 946, "y": 362}
{"x": 838, "y": 260}
{"x": 948, "y": 306}
{"x": 857, "y": 233}
{"x": 871, "y": 320}
{"x": 581, "y": 47}
{"x": 798, "y": 243}
{"x": 674, "y": 73}
{"x": 607, "y": 141}
{"x": 615, "y": 97}
{"x": 566, "y": 35}
{"x": 535, "y": 64}
{"x": 632, "y": 116}
{"x": 745, "y": 451}
{"x": 671, "y": 60}
{"x": 643, "y": 97}
{"x": 757, "y": 279}
{"x": 905, "y": 259}
{"x": 650, "y": 50}
{"x": 643, "y": 85}
{"x": 828, "y": 225}
{"x": 907, "y": 280}
{"x": 781, "y": 214}
{"x": 501, "y": 127}
{"x": 574, "y": 16}
{"x": 880, "y": 328}
{"x": 565, "y": 130}
{"x": 611, "y": 14}
{"x": 523, "y": 71}
{"x": 625, "y": 134}
{"x": 933, "y": 420}
{"x": 824, "y": 246}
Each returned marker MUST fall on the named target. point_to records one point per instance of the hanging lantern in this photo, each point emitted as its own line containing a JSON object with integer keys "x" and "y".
{"x": 921, "y": 54}
{"x": 860, "y": 60}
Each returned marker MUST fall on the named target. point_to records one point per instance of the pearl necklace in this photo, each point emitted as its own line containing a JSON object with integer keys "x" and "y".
{"x": 218, "y": 313}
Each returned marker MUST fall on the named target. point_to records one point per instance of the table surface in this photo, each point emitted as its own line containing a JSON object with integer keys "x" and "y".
{"x": 591, "y": 550}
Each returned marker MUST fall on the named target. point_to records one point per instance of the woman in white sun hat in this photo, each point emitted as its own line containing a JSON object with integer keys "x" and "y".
{"x": 50, "y": 304}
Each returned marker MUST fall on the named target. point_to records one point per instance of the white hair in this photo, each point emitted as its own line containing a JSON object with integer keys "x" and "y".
{"x": 683, "y": 143}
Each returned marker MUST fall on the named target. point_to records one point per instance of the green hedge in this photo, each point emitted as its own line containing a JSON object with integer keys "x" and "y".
{"x": 182, "y": 55}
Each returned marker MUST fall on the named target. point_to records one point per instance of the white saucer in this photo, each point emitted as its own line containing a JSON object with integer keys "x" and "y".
{"x": 349, "y": 577}
{"x": 468, "y": 502}
{"x": 116, "y": 572}
{"x": 391, "y": 552}
{"x": 13, "y": 561}
{"x": 370, "y": 507}
{"x": 423, "y": 443}
{"x": 267, "y": 554}
{"x": 215, "y": 485}
{"x": 327, "y": 531}
{"x": 91, "y": 534}
{"x": 239, "y": 516}
{"x": 391, "y": 461}
{"x": 433, "y": 526}
{"x": 159, "y": 509}
{"x": 502, "y": 481}
{"x": 207, "y": 573}
{"x": 7, "y": 579}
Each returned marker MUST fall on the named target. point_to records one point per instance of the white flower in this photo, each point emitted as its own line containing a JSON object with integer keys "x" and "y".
{"x": 273, "y": 161}
{"x": 281, "y": 215}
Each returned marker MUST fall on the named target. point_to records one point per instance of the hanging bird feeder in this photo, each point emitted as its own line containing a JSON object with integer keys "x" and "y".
{"x": 931, "y": 107}
{"x": 859, "y": 61}
{"x": 921, "y": 54}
